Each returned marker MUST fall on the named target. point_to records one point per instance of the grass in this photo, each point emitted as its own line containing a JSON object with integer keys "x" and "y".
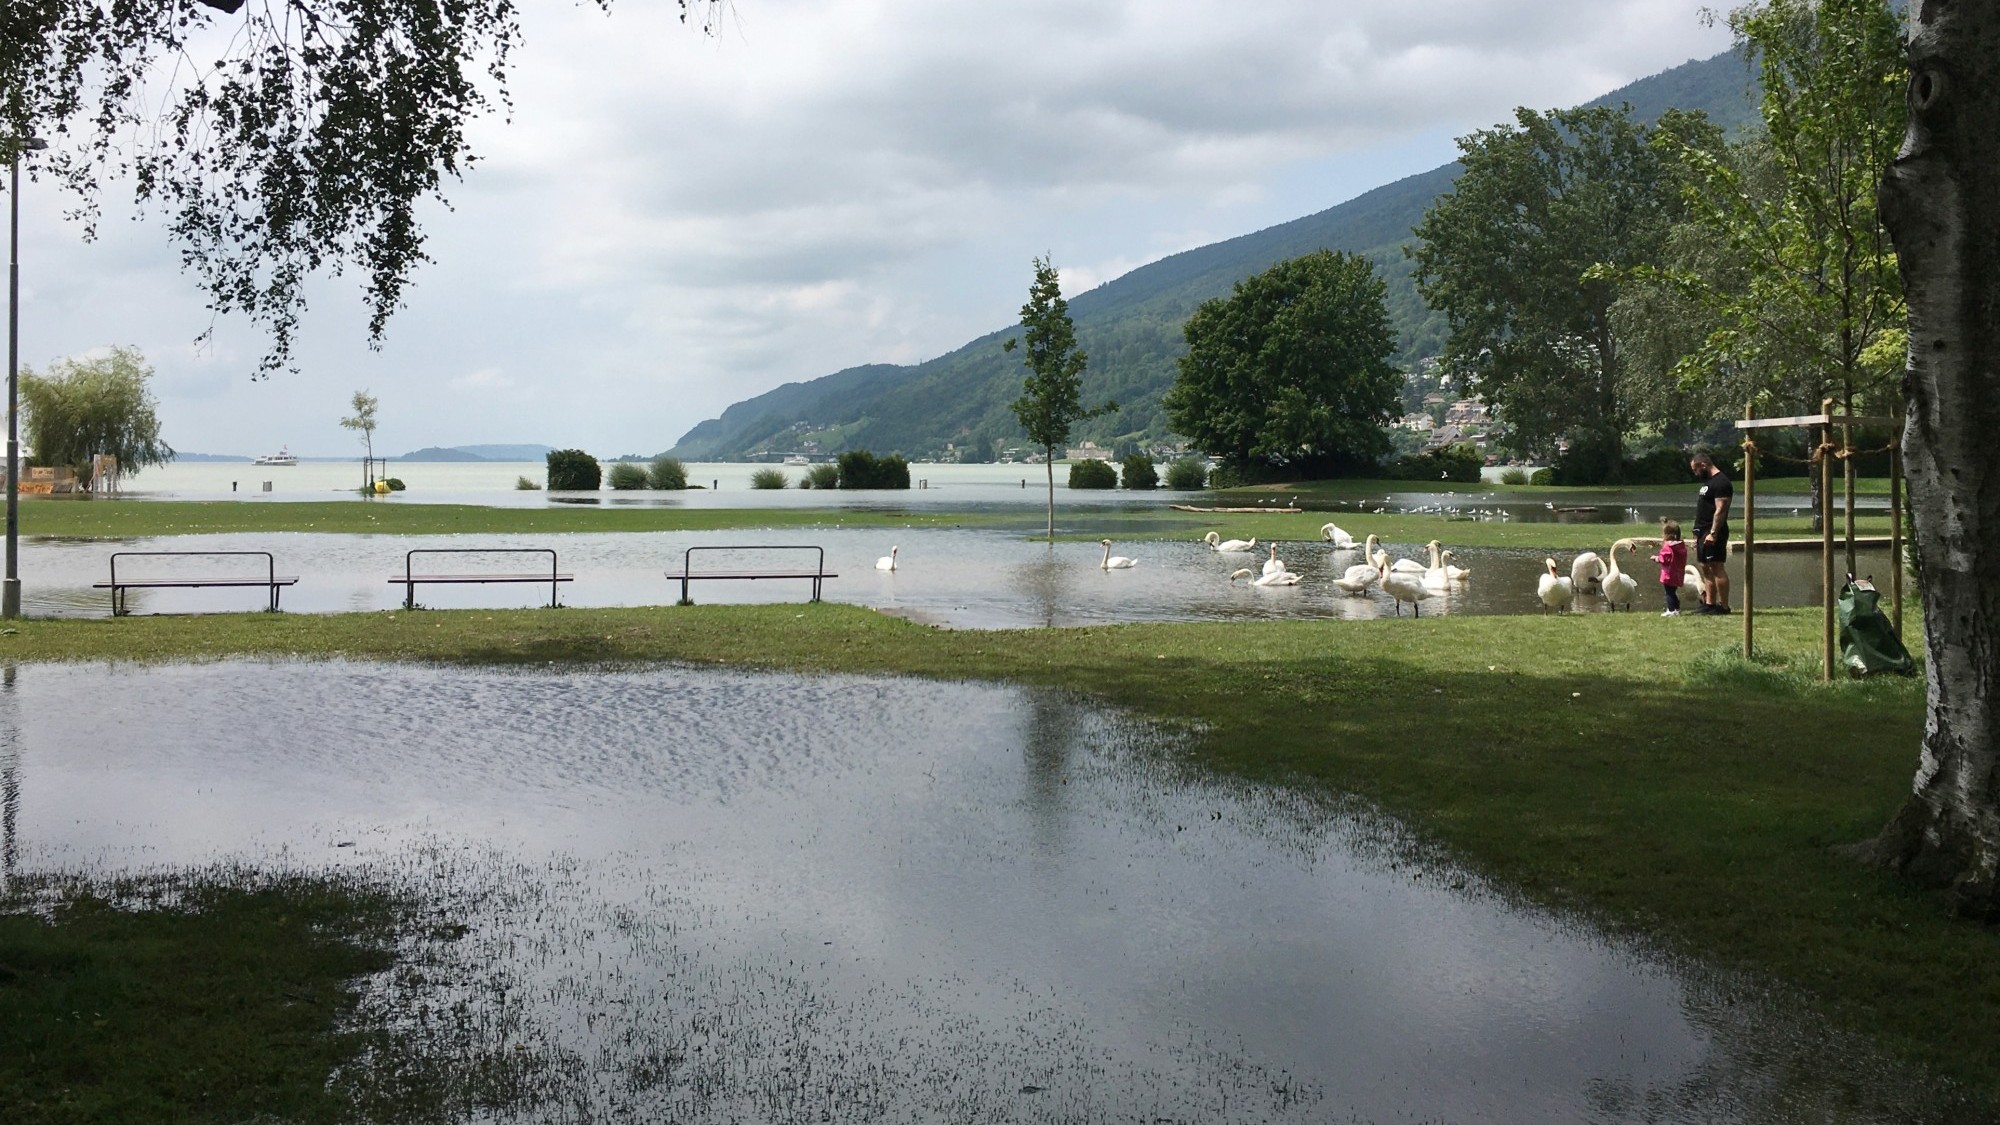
{"x": 226, "y": 1004}
{"x": 1634, "y": 770}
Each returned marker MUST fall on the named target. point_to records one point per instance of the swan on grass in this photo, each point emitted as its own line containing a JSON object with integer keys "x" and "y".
{"x": 1114, "y": 562}
{"x": 1229, "y": 546}
{"x": 1341, "y": 540}
{"x": 888, "y": 561}
{"x": 1618, "y": 585}
{"x": 1586, "y": 574}
{"x": 1404, "y": 587}
{"x": 1555, "y": 591}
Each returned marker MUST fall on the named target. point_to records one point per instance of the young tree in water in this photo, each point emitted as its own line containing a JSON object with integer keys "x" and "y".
{"x": 80, "y": 408}
{"x": 1941, "y": 202}
{"x": 363, "y": 421}
{"x": 1051, "y": 399}
{"x": 293, "y": 138}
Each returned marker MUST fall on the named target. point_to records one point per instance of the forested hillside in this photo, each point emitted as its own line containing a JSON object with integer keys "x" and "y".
{"x": 1131, "y": 326}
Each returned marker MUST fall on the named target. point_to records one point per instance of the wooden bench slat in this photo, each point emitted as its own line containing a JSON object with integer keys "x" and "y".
{"x": 399, "y": 579}
{"x": 676, "y": 574}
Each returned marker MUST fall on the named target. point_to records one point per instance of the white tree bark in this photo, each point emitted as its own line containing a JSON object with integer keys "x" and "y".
{"x": 1941, "y": 204}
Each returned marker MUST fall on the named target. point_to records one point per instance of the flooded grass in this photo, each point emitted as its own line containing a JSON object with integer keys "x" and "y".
{"x": 1661, "y": 788}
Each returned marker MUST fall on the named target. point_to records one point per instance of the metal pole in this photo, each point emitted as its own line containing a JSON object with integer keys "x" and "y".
{"x": 1749, "y": 533}
{"x": 10, "y": 589}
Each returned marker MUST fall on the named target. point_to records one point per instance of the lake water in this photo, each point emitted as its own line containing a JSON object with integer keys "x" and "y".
{"x": 703, "y": 895}
{"x": 962, "y": 578}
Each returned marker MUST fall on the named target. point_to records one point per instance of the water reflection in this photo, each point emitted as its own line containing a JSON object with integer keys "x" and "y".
{"x": 707, "y": 895}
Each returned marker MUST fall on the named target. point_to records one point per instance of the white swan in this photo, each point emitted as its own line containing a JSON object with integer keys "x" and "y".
{"x": 1373, "y": 552}
{"x": 1357, "y": 579}
{"x": 1618, "y": 585}
{"x": 1274, "y": 564}
{"x": 1555, "y": 591}
{"x": 1455, "y": 573}
{"x": 1114, "y": 562}
{"x": 1691, "y": 576}
{"x": 1229, "y": 546}
{"x": 1278, "y": 578}
{"x": 1435, "y": 576}
{"x": 1341, "y": 540}
{"x": 1404, "y": 588}
{"x": 1586, "y": 574}
{"x": 888, "y": 561}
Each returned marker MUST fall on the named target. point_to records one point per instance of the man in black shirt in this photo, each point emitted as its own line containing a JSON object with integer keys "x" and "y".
{"x": 1711, "y": 532}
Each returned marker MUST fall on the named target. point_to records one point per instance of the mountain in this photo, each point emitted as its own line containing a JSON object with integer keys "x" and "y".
{"x": 479, "y": 453}
{"x": 1131, "y": 326}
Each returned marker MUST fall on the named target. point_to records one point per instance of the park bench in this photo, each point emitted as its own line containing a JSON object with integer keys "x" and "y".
{"x": 271, "y": 580}
{"x": 688, "y": 574}
{"x": 410, "y": 579}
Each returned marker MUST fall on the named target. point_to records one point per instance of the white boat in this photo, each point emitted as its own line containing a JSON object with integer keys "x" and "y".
{"x": 282, "y": 457}
{"x": 797, "y": 459}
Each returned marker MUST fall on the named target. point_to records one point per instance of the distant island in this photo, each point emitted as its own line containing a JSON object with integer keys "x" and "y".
{"x": 479, "y": 453}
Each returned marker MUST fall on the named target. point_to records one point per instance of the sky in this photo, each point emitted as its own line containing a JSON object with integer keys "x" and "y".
{"x": 672, "y": 222}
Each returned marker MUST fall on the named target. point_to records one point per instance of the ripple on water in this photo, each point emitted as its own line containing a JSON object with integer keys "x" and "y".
{"x": 702, "y": 894}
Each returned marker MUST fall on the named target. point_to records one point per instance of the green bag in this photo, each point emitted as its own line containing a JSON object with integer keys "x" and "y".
{"x": 1868, "y": 643}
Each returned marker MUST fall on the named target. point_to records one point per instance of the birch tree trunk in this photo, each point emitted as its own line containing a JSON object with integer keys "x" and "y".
{"x": 1941, "y": 204}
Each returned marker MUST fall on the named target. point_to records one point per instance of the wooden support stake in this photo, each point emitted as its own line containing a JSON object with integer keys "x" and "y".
{"x": 1749, "y": 536}
{"x": 1826, "y": 548}
{"x": 1847, "y": 477}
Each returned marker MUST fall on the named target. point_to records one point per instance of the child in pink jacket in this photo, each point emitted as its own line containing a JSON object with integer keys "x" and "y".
{"x": 1673, "y": 560}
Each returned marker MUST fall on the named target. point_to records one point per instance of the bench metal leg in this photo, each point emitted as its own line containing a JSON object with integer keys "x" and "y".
{"x": 410, "y": 595}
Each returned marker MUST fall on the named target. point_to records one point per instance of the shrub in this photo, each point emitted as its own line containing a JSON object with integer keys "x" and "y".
{"x": 1661, "y": 466}
{"x": 1514, "y": 476}
{"x": 523, "y": 484}
{"x": 1092, "y": 473}
{"x": 1460, "y": 462}
{"x": 1543, "y": 476}
{"x": 1187, "y": 474}
{"x": 395, "y": 483}
{"x": 626, "y": 476}
{"x": 667, "y": 474}
{"x": 861, "y": 469}
{"x": 1138, "y": 472}
{"x": 821, "y": 476}
{"x": 768, "y": 478}
{"x": 573, "y": 470}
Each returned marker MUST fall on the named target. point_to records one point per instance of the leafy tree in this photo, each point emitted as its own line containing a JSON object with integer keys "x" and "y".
{"x": 1291, "y": 368}
{"x": 363, "y": 421}
{"x": 573, "y": 470}
{"x": 83, "y": 407}
{"x": 1138, "y": 472}
{"x": 667, "y": 474}
{"x": 1522, "y": 257}
{"x": 1092, "y": 473}
{"x": 1051, "y": 399}
{"x": 1941, "y": 201}
{"x": 861, "y": 469}
{"x": 305, "y": 139}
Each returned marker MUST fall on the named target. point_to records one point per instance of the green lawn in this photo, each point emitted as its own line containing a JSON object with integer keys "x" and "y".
{"x": 1633, "y": 770}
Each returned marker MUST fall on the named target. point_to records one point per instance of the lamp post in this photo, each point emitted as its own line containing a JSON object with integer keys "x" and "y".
{"x": 10, "y": 589}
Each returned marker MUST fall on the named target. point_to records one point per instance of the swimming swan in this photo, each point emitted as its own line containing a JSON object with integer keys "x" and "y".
{"x": 1341, "y": 540}
{"x": 1229, "y": 546}
{"x": 888, "y": 561}
{"x": 1114, "y": 562}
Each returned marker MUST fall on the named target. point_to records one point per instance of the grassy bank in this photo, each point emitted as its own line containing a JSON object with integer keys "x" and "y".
{"x": 1626, "y": 767}
{"x": 127, "y": 519}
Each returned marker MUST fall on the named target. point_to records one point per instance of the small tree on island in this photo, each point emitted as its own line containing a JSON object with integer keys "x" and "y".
{"x": 1291, "y": 368}
{"x": 1052, "y": 395}
{"x": 363, "y": 420}
{"x": 80, "y": 408}
{"x": 573, "y": 470}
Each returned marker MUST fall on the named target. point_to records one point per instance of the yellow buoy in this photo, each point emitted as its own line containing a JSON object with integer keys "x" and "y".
{"x": 381, "y": 488}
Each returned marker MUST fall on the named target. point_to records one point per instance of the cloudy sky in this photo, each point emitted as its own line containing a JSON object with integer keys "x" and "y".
{"x": 672, "y": 223}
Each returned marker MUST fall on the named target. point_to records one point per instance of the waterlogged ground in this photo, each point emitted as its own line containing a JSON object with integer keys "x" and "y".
{"x": 704, "y": 895}
{"x": 961, "y": 578}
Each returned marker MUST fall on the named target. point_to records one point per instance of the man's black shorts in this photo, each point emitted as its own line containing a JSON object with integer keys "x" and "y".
{"x": 1707, "y": 552}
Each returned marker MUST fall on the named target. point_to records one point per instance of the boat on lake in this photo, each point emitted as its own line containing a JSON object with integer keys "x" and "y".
{"x": 797, "y": 459}
{"x": 283, "y": 456}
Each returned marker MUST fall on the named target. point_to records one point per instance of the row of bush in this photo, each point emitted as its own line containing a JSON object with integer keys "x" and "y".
{"x": 1137, "y": 471}
{"x": 573, "y": 470}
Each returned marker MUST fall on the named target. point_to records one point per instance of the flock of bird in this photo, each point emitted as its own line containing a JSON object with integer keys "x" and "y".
{"x": 1408, "y": 581}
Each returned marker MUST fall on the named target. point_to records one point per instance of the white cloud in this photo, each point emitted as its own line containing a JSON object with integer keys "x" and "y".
{"x": 672, "y": 223}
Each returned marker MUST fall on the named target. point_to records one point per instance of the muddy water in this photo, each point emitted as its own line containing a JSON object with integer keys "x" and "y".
{"x": 706, "y": 895}
{"x": 969, "y": 579}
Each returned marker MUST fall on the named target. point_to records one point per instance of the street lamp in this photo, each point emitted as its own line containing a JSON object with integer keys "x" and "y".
{"x": 10, "y": 589}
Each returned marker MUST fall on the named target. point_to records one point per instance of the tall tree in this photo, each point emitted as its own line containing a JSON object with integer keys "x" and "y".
{"x": 1523, "y": 257}
{"x": 80, "y": 408}
{"x": 1292, "y": 368}
{"x": 1051, "y": 399}
{"x": 363, "y": 422}
{"x": 294, "y": 137}
{"x": 1941, "y": 201}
